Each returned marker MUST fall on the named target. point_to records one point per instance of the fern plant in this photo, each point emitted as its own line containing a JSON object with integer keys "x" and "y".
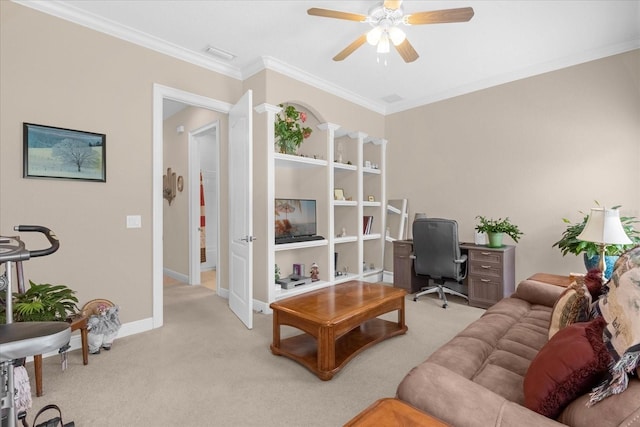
{"x": 43, "y": 302}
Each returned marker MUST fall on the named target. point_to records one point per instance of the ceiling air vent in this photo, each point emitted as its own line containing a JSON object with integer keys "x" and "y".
{"x": 392, "y": 98}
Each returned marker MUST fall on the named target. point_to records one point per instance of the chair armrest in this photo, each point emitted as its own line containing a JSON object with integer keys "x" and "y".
{"x": 463, "y": 258}
{"x": 461, "y": 402}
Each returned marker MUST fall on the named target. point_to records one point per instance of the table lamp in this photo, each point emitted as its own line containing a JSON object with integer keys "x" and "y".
{"x": 604, "y": 227}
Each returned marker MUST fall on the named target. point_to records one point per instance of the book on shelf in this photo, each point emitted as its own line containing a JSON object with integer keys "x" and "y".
{"x": 367, "y": 220}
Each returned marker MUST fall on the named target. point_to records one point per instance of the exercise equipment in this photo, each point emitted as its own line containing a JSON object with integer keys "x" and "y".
{"x": 23, "y": 339}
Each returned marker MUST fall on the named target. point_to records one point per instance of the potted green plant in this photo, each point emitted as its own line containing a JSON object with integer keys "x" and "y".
{"x": 289, "y": 129}
{"x": 570, "y": 244}
{"x": 42, "y": 302}
{"x": 497, "y": 228}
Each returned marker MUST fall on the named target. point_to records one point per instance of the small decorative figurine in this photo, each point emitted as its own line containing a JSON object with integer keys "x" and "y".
{"x": 315, "y": 272}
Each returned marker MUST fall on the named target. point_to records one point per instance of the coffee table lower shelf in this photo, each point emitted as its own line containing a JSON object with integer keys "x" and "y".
{"x": 303, "y": 348}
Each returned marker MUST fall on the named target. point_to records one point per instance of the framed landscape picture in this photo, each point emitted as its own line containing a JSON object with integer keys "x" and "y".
{"x": 51, "y": 152}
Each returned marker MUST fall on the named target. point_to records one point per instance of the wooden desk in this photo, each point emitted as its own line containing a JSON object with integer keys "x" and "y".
{"x": 77, "y": 322}
{"x": 339, "y": 322}
{"x": 390, "y": 412}
{"x": 490, "y": 272}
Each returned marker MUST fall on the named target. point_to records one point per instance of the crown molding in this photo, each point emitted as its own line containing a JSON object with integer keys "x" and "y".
{"x": 97, "y": 23}
{"x": 560, "y": 63}
{"x": 94, "y": 22}
{"x": 273, "y": 64}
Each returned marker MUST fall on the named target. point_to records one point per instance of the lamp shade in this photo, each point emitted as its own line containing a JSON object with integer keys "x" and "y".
{"x": 604, "y": 226}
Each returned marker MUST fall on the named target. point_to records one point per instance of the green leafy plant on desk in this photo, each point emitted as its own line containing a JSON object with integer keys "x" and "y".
{"x": 495, "y": 228}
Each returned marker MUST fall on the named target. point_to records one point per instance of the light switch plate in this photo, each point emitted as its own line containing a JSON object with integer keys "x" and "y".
{"x": 134, "y": 221}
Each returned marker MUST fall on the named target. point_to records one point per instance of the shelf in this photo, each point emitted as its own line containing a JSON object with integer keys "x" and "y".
{"x": 286, "y": 293}
{"x": 345, "y": 203}
{"x": 372, "y": 236}
{"x": 345, "y": 239}
{"x": 301, "y": 245}
{"x": 367, "y": 204}
{"x": 290, "y": 161}
{"x": 342, "y": 167}
{"x": 390, "y": 239}
{"x": 371, "y": 171}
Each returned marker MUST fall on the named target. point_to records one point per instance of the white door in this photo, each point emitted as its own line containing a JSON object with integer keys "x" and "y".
{"x": 240, "y": 210}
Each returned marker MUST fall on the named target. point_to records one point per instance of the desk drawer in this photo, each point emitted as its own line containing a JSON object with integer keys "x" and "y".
{"x": 486, "y": 269}
{"x": 402, "y": 250}
{"x": 484, "y": 256}
{"x": 484, "y": 292}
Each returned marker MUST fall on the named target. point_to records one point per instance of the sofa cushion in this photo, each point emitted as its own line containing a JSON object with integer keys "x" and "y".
{"x": 496, "y": 350}
{"x": 571, "y": 362}
{"x": 573, "y": 306}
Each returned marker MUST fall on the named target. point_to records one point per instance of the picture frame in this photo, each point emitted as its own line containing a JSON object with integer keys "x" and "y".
{"x": 371, "y": 198}
{"x": 298, "y": 270}
{"x": 58, "y": 153}
{"x": 338, "y": 194}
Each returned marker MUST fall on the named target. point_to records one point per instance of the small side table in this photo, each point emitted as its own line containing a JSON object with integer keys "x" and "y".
{"x": 390, "y": 412}
{"x": 77, "y": 321}
{"x": 552, "y": 279}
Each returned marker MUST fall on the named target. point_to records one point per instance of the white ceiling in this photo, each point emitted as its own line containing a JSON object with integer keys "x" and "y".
{"x": 504, "y": 41}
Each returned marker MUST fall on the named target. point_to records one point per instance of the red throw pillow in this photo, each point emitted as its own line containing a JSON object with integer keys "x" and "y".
{"x": 593, "y": 282}
{"x": 572, "y": 362}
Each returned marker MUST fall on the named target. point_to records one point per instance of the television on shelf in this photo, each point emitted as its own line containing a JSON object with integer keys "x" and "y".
{"x": 295, "y": 220}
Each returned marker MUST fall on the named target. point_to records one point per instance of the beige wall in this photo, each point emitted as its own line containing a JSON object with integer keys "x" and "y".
{"x": 176, "y": 156}
{"x": 56, "y": 73}
{"x": 532, "y": 150}
{"x": 536, "y": 150}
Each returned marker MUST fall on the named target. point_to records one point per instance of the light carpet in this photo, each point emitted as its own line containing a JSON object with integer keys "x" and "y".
{"x": 204, "y": 368}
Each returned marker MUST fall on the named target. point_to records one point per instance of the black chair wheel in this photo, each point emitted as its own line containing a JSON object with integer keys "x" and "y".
{"x": 444, "y": 305}
{"x": 415, "y": 298}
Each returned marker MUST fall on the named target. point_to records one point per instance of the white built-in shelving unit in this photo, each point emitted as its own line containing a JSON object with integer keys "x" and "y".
{"x": 331, "y": 158}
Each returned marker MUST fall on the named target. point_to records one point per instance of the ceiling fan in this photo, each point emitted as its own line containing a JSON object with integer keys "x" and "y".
{"x": 385, "y": 20}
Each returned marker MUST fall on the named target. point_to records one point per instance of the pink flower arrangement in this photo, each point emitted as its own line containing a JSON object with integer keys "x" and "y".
{"x": 289, "y": 131}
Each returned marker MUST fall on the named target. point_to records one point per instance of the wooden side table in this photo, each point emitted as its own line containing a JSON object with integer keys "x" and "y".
{"x": 390, "y": 412}
{"x": 77, "y": 322}
{"x": 552, "y": 279}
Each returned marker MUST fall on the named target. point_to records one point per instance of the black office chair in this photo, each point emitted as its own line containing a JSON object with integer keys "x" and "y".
{"x": 436, "y": 253}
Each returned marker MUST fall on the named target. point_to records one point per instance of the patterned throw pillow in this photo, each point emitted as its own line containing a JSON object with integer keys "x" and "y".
{"x": 572, "y": 362}
{"x": 620, "y": 308}
{"x": 572, "y": 306}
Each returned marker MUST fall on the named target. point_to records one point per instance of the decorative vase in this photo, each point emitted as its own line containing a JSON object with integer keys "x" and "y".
{"x": 288, "y": 147}
{"x": 609, "y": 261}
{"x": 495, "y": 240}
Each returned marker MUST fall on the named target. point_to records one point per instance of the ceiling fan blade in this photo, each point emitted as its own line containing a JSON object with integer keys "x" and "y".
{"x": 392, "y": 4}
{"x": 444, "y": 16}
{"x": 326, "y": 13}
{"x": 351, "y": 48}
{"x": 406, "y": 50}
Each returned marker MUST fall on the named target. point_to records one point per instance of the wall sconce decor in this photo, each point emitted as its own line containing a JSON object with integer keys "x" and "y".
{"x": 169, "y": 184}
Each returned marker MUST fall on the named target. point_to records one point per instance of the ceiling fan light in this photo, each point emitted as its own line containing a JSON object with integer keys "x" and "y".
{"x": 373, "y": 36}
{"x": 383, "y": 44}
{"x": 396, "y": 35}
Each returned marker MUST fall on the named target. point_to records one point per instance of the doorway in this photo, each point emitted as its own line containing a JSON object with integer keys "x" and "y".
{"x": 204, "y": 204}
{"x": 161, "y": 93}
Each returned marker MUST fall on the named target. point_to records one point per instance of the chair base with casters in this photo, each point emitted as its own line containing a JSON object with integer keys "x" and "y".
{"x": 441, "y": 290}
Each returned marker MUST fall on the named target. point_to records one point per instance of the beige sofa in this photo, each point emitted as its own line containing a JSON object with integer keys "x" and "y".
{"x": 476, "y": 379}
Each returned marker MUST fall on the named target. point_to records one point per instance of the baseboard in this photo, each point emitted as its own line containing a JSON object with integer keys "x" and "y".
{"x": 184, "y": 278}
{"x": 387, "y": 276}
{"x": 130, "y": 328}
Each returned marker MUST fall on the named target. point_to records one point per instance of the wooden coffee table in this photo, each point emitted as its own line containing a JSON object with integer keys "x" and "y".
{"x": 338, "y": 323}
{"x": 393, "y": 412}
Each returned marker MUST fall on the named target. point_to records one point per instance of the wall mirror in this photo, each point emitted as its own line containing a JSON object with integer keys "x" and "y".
{"x": 397, "y": 228}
